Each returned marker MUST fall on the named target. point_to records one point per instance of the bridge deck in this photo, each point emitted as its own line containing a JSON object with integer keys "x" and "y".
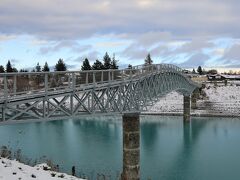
{"x": 45, "y": 94}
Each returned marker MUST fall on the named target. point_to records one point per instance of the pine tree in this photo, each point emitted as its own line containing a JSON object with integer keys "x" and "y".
{"x": 86, "y": 65}
{"x": 212, "y": 71}
{"x": 9, "y": 67}
{"x": 193, "y": 71}
{"x": 60, "y": 66}
{"x": 38, "y": 67}
{"x": 15, "y": 69}
{"x": 148, "y": 60}
{"x": 114, "y": 63}
{"x": 38, "y": 79}
{"x": 23, "y": 70}
{"x": 129, "y": 66}
{"x": 199, "y": 70}
{"x": 45, "y": 67}
{"x": 2, "y": 69}
{"x": 97, "y": 65}
{"x": 106, "y": 61}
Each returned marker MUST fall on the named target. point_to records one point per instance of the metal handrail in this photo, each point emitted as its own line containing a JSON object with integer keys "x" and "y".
{"x": 9, "y": 82}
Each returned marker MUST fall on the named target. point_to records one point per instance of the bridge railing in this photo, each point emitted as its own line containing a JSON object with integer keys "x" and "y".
{"x": 13, "y": 85}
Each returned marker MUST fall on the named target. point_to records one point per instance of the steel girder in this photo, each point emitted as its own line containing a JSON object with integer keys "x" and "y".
{"x": 115, "y": 97}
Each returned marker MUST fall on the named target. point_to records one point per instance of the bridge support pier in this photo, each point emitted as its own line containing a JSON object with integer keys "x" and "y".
{"x": 3, "y": 114}
{"x": 194, "y": 97}
{"x": 131, "y": 147}
{"x": 186, "y": 108}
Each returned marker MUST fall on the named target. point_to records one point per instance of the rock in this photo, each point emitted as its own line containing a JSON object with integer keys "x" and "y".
{"x": 61, "y": 176}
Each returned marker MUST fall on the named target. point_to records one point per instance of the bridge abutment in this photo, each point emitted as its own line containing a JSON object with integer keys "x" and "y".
{"x": 131, "y": 147}
{"x": 186, "y": 108}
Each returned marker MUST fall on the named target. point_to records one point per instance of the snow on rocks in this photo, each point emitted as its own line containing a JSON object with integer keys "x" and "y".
{"x": 223, "y": 93}
{"x": 172, "y": 102}
{"x": 222, "y": 99}
{"x": 219, "y": 100}
{"x": 14, "y": 170}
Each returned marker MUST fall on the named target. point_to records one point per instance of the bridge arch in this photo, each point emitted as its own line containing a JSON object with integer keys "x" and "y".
{"x": 88, "y": 92}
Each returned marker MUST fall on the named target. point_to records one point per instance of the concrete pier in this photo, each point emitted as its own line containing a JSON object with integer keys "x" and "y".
{"x": 131, "y": 147}
{"x": 186, "y": 108}
{"x": 3, "y": 114}
{"x": 194, "y": 97}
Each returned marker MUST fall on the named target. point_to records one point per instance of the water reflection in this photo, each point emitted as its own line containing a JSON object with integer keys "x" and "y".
{"x": 149, "y": 131}
{"x": 196, "y": 150}
{"x": 180, "y": 167}
{"x": 206, "y": 148}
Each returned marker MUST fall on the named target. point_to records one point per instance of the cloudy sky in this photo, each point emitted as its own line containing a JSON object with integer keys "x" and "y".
{"x": 187, "y": 33}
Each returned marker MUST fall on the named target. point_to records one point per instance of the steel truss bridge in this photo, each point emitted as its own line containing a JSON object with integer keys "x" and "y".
{"x": 58, "y": 95}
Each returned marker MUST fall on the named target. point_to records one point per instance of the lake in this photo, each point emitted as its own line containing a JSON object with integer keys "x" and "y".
{"x": 206, "y": 148}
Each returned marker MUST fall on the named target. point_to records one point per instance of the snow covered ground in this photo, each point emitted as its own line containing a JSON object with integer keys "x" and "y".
{"x": 14, "y": 170}
{"x": 218, "y": 100}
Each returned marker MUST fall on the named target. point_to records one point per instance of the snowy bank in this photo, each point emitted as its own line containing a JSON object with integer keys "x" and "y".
{"x": 219, "y": 100}
{"x": 14, "y": 170}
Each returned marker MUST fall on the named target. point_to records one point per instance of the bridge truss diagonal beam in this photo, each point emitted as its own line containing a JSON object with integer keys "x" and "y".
{"x": 128, "y": 90}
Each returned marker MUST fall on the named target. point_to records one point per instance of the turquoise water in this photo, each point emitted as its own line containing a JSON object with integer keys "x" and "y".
{"x": 208, "y": 148}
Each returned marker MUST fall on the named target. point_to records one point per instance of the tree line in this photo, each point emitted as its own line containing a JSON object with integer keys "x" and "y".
{"x": 108, "y": 63}
{"x": 60, "y": 66}
{"x": 201, "y": 71}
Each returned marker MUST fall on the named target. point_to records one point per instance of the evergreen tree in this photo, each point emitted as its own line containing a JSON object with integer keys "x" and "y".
{"x": 129, "y": 66}
{"x": 148, "y": 60}
{"x": 212, "y": 71}
{"x": 2, "y": 69}
{"x": 23, "y": 70}
{"x": 9, "y": 67}
{"x": 45, "y": 67}
{"x": 38, "y": 67}
{"x": 86, "y": 65}
{"x": 60, "y": 66}
{"x": 15, "y": 69}
{"x": 114, "y": 63}
{"x": 193, "y": 71}
{"x": 97, "y": 65}
{"x": 199, "y": 70}
{"x": 107, "y": 61}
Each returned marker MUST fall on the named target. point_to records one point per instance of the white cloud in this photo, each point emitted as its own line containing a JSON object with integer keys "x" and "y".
{"x": 146, "y": 3}
{"x": 71, "y": 45}
{"x": 71, "y": 19}
{"x": 92, "y": 56}
{"x": 231, "y": 56}
{"x": 167, "y": 29}
{"x": 198, "y": 59}
{"x": 37, "y": 42}
{"x": 4, "y": 37}
{"x": 219, "y": 52}
{"x": 110, "y": 44}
